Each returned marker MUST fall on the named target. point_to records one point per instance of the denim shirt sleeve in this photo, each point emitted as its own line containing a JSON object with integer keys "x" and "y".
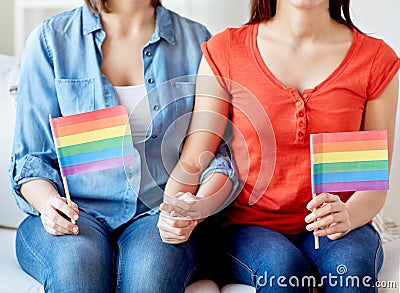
{"x": 34, "y": 155}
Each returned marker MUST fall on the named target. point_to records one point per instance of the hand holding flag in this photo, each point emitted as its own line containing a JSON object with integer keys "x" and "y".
{"x": 92, "y": 141}
{"x": 349, "y": 161}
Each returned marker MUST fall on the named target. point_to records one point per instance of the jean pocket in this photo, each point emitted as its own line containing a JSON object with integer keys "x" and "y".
{"x": 75, "y": 95}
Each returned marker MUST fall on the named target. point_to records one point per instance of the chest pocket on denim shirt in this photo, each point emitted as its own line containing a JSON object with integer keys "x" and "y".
{"x": 75, "y": 95}
{"x": 184, "y": 101}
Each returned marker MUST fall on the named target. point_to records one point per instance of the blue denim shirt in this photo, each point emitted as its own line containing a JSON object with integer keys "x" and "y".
{"x": 60, "y": 75}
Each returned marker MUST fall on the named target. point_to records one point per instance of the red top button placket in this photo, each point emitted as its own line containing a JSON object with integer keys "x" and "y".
{"x": 300, "y": 114}
{"x": 300, "y": 122}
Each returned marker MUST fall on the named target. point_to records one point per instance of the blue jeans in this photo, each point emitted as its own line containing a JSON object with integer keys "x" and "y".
{"x": 131, "y": 259}
{"x": 272, "y": 262}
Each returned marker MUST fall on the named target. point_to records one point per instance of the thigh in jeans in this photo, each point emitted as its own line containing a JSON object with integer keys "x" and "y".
{"x": 349, "y": 264}
{"x": 71, "y": 263}
{"x": 265, "y": 259}
{"x": 146, "y": 264}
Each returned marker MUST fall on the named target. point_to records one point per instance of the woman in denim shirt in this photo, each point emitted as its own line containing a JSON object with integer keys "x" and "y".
{"x": 73, "y": 63}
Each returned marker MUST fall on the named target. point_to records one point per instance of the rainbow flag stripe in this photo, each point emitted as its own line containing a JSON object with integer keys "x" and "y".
{"x": 349, "y": 161}
{"x": 93, "y": 141}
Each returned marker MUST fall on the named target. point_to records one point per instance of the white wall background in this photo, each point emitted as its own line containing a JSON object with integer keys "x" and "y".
{"x": 7, "y": 27}
{"x": 379, "y": 18}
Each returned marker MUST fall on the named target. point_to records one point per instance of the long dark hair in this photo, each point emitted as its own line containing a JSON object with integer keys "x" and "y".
{"x": 262, "y": 10}
{"x": 101, "y": 5}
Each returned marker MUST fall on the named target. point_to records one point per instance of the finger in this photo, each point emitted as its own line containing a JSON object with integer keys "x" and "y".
{"x": 320, "y": 199}
{"x": 169, "y": 235}
{"x": 323, "y": 211}
{"x": 53, "y": 228}
{"x": 167, "y": 208}
{"x": 172, "y": 240}
{"x": 176, "y": 222}
{"x": 174, "y": 211}
{"x": 74, "y": 205}
{"x": 52, "y": 231}
{"x": 59, "y": 228}
{"x": 188, "y": 198}
{"x": 336, "y": 236}
{"x": 57, "y": 221}
{"x": 341, "y": 228}
{"x": 167, "y": 211}
{"x": 180, "y": 216}
{"x": 194, "y": 211}
{"x": 177, "y": 231}
{"x": 326, "y": 221}
{"x": 168, "y": 221}
{"x": 178, "y": 194}
{"x": 182, "y": 204}
{"x": 194, "y": 215}
{"x": 48, "y": 227}
{"x": 61, "y": 205}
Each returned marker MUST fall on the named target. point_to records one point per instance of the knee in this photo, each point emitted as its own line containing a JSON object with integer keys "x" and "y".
{"x": 169, "y": 269}
{"x": 273, "y": 270}
{"x": 355, "y": 261}
{"x": 285, "y": 263}
{"x": 282, "y": 273}
{"x": 86, "y": 270}
{"x": 85, "y": 262}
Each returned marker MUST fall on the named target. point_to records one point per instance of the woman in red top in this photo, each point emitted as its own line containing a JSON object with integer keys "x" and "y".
{"x": 311, "y": 71}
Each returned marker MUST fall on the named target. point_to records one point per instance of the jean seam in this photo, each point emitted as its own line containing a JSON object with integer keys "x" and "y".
{"x": 192, "y": 273}
{"x": 36, "y": 256}
{"x": 376, "y": 262}
{"x": 245, "y": 266}
{"x": 190, "y": 276}
{"x": 377, "y": 252}
{"x": 119, "y": 266}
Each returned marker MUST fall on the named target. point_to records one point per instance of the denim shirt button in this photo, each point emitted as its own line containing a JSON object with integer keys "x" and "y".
{"x": 156, "y": 107}
{"x": 147, "y": 53}
{"x": 150, "y": 80}
{"x": 154, "y": 136}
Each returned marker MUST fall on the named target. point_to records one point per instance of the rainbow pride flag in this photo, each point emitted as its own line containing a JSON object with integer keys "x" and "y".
{"x": 349, "y": 161}
{"x": 93, "y": 141}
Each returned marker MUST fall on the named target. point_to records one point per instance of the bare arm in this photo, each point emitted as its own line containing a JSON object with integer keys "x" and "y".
{"x": 42, "y": 195}
{"x": 206, "y": 129}
{"x": 380, "y": 113}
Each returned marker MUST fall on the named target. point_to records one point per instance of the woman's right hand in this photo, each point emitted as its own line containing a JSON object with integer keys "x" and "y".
{"x": 55, "y": 214}
{"x": 54, "y": 211}
{"x": 174, "y": 224}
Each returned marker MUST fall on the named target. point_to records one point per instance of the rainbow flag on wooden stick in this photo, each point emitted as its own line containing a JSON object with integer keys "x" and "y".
{"x": 93, "y": 141}
{"x": 349, "y": 161}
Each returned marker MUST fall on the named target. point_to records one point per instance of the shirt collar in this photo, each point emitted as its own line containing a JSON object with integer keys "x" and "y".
{"x": 91, "y": 21}
{"x": 164, "y": 28}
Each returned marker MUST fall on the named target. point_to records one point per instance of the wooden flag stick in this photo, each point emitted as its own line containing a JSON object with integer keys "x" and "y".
{"x": 316, "y": 240}
{"x": 67, "y": 194}
{"x": 64, "y": 179}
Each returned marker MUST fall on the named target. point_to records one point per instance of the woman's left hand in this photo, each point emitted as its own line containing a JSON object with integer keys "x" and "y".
{"x": 174, "y": 224}
{"x": 329, "y": 216}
